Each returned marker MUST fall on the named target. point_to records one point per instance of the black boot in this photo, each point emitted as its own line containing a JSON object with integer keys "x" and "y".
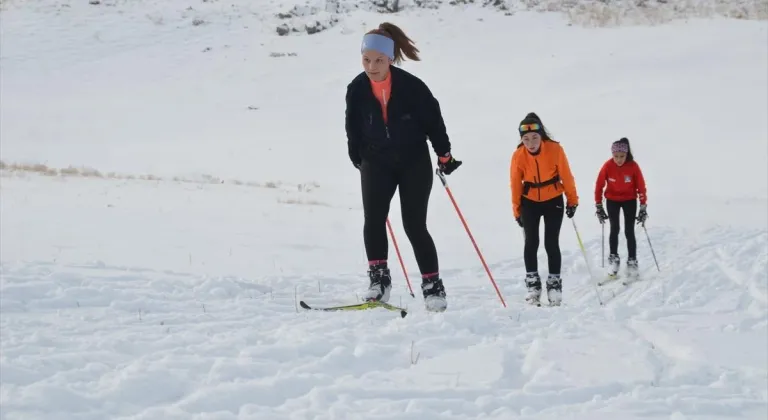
{"x": 380, "y": 283}
{"x": 554, "y": 289}
{"x": 533, "y": 283}
{"x": 434, "y": 294}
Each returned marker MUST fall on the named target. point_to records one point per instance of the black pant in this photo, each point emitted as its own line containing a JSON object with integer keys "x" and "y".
{"x": 531, "y": 212}
{"x": 630, "y": 211}
{"x": 379, "y": 180}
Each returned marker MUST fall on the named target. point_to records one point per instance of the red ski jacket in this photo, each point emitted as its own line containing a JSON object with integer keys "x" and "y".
{"x": 624, "y": 182}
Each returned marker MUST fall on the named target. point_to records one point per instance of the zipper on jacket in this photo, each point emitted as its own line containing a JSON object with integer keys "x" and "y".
{"x": 539, "y": 174}
{"x": 386, "y": 107}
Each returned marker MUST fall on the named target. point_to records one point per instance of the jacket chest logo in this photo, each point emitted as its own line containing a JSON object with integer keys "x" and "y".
{"x": 627, "y": 179}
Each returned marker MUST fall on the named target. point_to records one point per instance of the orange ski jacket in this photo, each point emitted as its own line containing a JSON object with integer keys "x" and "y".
{"x": 542, "y": 176}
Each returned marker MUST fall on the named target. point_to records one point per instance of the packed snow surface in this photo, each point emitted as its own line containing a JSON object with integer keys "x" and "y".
{"x": 193, "y": 184}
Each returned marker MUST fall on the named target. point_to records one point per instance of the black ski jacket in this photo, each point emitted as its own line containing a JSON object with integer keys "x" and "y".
{"x": 413, "y": 116}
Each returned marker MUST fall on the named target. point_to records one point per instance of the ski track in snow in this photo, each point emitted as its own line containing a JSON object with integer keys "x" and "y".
{"x": 98, "y": 341}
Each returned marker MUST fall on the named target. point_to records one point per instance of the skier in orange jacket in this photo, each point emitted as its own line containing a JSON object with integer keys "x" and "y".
{"x": 539, "y": 176}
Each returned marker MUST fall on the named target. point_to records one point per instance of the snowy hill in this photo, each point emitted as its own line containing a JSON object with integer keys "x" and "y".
{"x": 314, "y": 16}
{"x": 175, "y": 178}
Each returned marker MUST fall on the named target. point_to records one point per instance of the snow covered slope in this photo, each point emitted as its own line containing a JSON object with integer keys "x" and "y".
{"x": 209, "y": 188}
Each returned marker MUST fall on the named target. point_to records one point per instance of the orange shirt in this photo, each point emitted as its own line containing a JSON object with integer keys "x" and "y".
{"x": 382, "y": 90}
{"x": 551, "y": 161}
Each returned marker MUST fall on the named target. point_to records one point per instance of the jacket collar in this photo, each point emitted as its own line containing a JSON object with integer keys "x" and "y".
{"x": 395, "y": 73}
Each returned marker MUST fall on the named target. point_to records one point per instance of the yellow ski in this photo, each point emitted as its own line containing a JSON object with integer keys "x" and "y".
{"x": 356, "y": 307}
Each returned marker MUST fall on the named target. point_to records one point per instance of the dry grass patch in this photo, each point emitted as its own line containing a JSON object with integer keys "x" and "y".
{"x": 9, "y": 169}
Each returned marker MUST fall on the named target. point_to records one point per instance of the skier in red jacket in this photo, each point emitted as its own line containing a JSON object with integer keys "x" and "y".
{"x": 625, "y": 185}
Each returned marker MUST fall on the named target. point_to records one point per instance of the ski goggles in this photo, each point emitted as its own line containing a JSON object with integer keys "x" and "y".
{"x": 524, "y": 128}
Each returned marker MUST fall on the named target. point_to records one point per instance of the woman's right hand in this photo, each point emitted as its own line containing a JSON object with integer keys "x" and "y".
{"x": 600, "y": 213}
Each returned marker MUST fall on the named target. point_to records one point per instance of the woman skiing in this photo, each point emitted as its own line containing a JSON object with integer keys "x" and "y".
{"x": 390, "y": 113}
{"x": 539, "y": 175}
{"x": 623, "y": 182}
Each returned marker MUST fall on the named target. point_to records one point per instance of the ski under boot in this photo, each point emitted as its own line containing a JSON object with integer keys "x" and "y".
{"x": 434, "y": 294}
{"x": 380, "y": 284}
{"x": 554, "y": 289}
{"x": 533, "y": 283}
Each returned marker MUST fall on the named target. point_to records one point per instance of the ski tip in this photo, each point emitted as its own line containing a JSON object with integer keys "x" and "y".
{"x": 304, "y": 305}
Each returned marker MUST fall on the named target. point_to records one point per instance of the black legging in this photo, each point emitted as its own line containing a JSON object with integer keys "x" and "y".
{"x": 630, "y": 210}
{"x": 379, "y": 180}
{"x": 531, "y": 212}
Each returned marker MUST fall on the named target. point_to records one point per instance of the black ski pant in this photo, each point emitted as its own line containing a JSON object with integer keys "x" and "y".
{"x": 630, "y": 211}
{"x": 552, "y": 212}
{"x": 380, "y": 178}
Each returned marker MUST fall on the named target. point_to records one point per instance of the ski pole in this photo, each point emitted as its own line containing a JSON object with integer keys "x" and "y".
{"x": 663, "y": 293}
{"x": 399, "y": 257}
{"x": 651, "y": 246}
{"x": 586, "y": 260}
{"x": 602, "y": 247}
{"x": 479, "y": 254}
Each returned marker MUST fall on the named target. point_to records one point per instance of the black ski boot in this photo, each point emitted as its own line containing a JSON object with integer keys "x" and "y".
{"x": 554, "y": 289}
{"x": 434, "y": 294}
{"x": 380, "y": 283}
{"x": 533, "y": 283}
{"x": 613, "y": 265}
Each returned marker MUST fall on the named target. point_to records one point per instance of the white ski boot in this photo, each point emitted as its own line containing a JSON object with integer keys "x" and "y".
{"x": 614, "y": 262}
{"x": 554, "y": 290}
{"x": 633, "y": 271}
{"x": 380, "y": 284}
{"x": 434, "y": 294}
{"x": 533, "y": 283}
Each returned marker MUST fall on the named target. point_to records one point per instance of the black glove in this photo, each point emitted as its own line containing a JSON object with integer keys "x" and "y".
{"x": 642, "y": 216}
{"x": 447, "y": 163}
{"x": 519, "y": 220}
{"x": 600, "y": 213}
{"x": 570, "y": 211}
